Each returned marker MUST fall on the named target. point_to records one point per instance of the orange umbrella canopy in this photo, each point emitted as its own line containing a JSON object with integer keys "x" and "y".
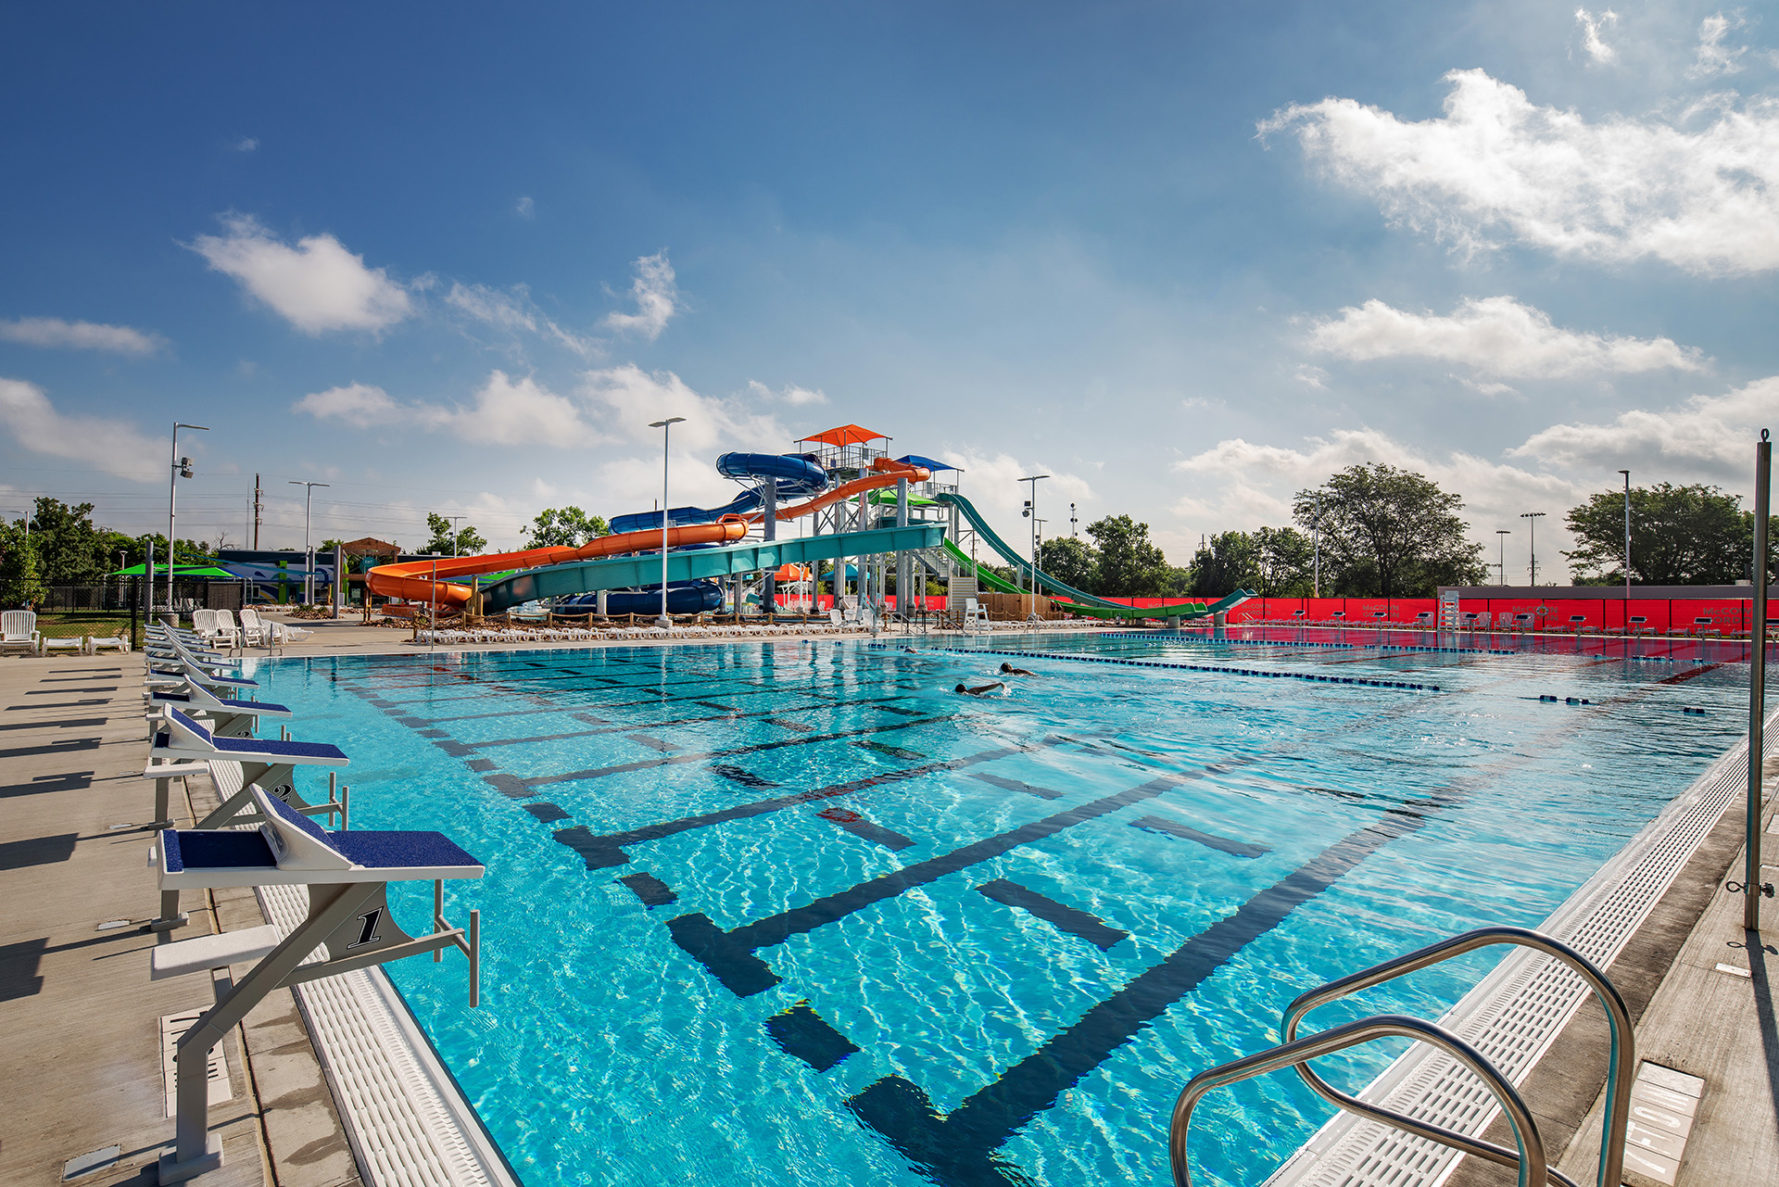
{"x": 847, "y": 435}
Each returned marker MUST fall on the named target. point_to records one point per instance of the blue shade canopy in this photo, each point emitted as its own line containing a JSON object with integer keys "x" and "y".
{"x": 926, "y": 463}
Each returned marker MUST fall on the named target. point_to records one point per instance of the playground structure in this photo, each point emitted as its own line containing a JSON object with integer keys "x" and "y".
{"x": 850, "y": 501}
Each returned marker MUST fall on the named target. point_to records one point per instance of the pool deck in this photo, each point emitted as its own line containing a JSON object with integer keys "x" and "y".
{"x": 77, "y": 998}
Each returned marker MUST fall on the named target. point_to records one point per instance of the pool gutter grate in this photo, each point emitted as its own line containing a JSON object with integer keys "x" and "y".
{"x": 1517, "y": 1011}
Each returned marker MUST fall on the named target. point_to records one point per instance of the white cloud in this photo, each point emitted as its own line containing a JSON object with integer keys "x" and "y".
{"x": 991, "y": 481}
{"x": 80, "y": 335}
{"x": 656, "y": 299}
{"x": 317, "y": 285}
{"x": 244, "y": 144}
{"x": 1591, "y": 28}
{"x": 1309, "y": 376}
{"x": 525, "y": 207}
{"x": 503, "y": 412}
{"x": 1713, "y": 56}
{"x": 1704, "y": 439}
{"x": 513, "y": 311}
{"x": 104, "y": 442}
{"x": 1495, "y": 165}
{"x": 789, "y": 394}
{"x": 1495, "y": 336}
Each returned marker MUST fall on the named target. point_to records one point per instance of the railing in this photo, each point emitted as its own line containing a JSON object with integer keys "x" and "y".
{"x": 1529, "y": 1156}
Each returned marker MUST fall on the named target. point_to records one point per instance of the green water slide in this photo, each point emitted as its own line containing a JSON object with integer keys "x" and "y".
{"x": 1084, "y": 602}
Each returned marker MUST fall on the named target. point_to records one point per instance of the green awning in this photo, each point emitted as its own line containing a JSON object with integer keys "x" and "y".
{"x": 204, "y": 571}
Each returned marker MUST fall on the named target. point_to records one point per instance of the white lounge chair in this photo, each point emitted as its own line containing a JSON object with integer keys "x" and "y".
{"x": 97, "y": 643}
{"x": 18, "y": 632}
{"x": 72, "y": 645}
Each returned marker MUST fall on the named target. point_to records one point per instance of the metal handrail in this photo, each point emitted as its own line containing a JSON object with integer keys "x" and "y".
{"x": 1533, "y": 1170}
{"x": 1620, "y": 1067}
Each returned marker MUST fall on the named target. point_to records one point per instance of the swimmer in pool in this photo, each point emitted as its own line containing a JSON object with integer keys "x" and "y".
{"x": 980, "y": 690}
{"x": 1008, "y": 669}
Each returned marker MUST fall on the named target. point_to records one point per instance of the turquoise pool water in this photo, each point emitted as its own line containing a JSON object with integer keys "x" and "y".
{"x": 796, "y": 914}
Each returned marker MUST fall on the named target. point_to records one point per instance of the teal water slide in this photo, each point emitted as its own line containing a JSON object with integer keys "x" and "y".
{"x": 695, "y": 564}
{"x": 1084, "y": 602}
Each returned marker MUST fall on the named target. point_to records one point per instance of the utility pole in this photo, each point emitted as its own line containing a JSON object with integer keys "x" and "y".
{"x": 258, "y": 508}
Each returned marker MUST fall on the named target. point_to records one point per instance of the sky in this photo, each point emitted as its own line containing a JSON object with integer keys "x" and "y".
{"x": 1187, "y": 258}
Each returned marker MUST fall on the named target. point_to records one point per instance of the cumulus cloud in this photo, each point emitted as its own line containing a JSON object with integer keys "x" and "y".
{"x": 630, "y": 399}
{"x": 1309, "y": 376}
{"x": 317, "y": 285}
{"x": 514, "y": 311}
{"x": 1592, "y": 26}
{"x": 525, "y": 207}
{"x": 788, "y": 394}
{"x": 1496, "y": 166}
{"x": 656, "y": 298}
{"x": 1704, "y": 439}
{"x": 1495, "y": 336}
{"x": 80, "y": 335}
{"x": 504, "y": 411}
{"x": 991, "y": 481}
{"x": 244, "y": 144}
{"x": 1713, "y": 56}
{"x": 103, "y": 442}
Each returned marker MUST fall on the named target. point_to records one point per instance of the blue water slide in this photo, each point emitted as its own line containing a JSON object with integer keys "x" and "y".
{"x": 745, "y": 503}
{"x": 683, "y": 597}
{"x": 795, "y": 473}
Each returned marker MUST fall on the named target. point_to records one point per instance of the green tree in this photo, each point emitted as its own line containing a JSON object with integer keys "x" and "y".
{"x": 20, "y": 583}
{"x": 1226, "y": 562}
{"x": 1070, "y": 561}
{"x": 67, "y": 545}
{"x": 564, "y": 527}
{"x": 1389, "y": 532}
{"x": 1287, "y": 563}
{"x": 466, "y": 541}
{"x": 1130, "y": 564}
{"x": 1680, "y": 535}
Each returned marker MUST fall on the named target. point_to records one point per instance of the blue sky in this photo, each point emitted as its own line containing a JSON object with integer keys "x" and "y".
{"x": 1188, "y": 258}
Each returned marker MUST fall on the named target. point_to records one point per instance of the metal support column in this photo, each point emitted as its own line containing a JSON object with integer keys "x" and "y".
{"x": 1752, "y": 885}
{"x": 769, "y": 531}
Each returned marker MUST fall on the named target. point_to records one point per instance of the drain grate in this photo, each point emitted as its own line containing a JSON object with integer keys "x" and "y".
{"x": 1518, "y": 1010}
{"x": 172, "y": 1027}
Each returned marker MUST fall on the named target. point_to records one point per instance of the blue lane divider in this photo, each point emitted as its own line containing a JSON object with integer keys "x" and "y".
{"x": 1157, "y": 663}
{"x": 1196, "y": 638}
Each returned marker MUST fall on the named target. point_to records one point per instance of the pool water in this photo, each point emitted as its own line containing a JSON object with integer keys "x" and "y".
{"x": 797, "y": 914}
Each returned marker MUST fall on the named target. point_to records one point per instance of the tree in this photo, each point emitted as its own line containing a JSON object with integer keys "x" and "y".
{"x": 1130, "y": 565}
{"x": 20, "y": 582}
{"x": 567, "y": 526}
{"x": 1389, "y": 532}
{"x": 1070, "y": 561}
{"x": 1680, "y": 535}
{"x": 1287, "y": 563}
{"x": 67, "y": 545}
{"x": 1227, "y": 562}
{"x": 466, "y": 541}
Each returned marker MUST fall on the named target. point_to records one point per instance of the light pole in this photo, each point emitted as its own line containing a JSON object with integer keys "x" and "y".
{"x": 181, "y": 469}
{"x": 26, "y": 516}
{"x": 453, "y": 519}
{"x": 1031, "y": 512}
{"x": 1627, "y": 475}
{"x": 1072, "y": 521}
{"x": 666, "y": 427}
{"x": 1532, "y": 527}
{"x": 1502, "y": 534}
{"x": 308, "y": 556}
{"x": 1316, "y": 535}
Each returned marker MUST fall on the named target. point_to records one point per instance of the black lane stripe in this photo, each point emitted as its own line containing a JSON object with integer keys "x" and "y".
{"x": 858, "y": 826}
{"x": 1683, "y": 677}
{"x": 605, "y": 850}
{"x": 1005, "y": 784}
{"x": 1082, "y": 924}
{"x": 756, "y": 748}
{"x": 651, "y": 890}
{"x": 958, "y": 1149}
{"x": 1160, "y": 824}
{"x": 803, "y": 1034}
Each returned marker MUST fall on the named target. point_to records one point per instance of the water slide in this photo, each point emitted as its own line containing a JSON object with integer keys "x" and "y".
{"x": 413, "y": 580}
{"x": 794, "y": 473}
{"x": 1083, "y": 602}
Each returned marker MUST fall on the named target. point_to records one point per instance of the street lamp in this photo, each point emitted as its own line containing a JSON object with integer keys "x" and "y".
{"x": 666, "y": 427}
{"x": 1031, "y": 512}
{"x": 308, "y": 556}
{"x": 1502, "y": 534}
{"x": 1316, "y": 537}
{"x": 453, "y": 519}
{"x": 1072, "y": 521}
{"x": 26, "y": 516}
{"x": 1534, "y": 517}
{"x": 181, "y": 469}
{"x": 1627, "y": 475}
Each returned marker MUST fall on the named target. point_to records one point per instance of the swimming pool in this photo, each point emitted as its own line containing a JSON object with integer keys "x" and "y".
{"x": 796, "y": 914}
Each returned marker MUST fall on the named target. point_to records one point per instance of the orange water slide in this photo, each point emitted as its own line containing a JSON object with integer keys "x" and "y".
{"x": 889, "y": 473}
{"x": 413, "y": 580}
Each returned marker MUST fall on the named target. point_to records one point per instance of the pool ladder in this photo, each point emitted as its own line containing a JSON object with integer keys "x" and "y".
{"x": 1529, "y": 1157}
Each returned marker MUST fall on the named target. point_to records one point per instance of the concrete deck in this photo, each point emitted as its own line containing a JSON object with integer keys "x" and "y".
{"x": 82, "y": 1050}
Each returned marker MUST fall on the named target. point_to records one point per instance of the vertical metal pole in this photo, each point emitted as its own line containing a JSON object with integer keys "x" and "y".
{"x": 172, "y": 491}
{"x": 1757, "y": 680}
{"x": 1627, "y": 475}
{"x": 1316, "y": 582}
{"x": 148, "y": 572}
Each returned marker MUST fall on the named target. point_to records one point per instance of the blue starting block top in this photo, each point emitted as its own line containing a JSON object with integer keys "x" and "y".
{"x": 291, "y": 849}
{"x": 190, "y": 737}
{"x": 199, "y": 697}
{"x": 195, "y": 674}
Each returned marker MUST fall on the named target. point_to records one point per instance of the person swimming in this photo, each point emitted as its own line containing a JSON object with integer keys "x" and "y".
{"x": 980, "y": 690}
{"x": 1008, "y": 669}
